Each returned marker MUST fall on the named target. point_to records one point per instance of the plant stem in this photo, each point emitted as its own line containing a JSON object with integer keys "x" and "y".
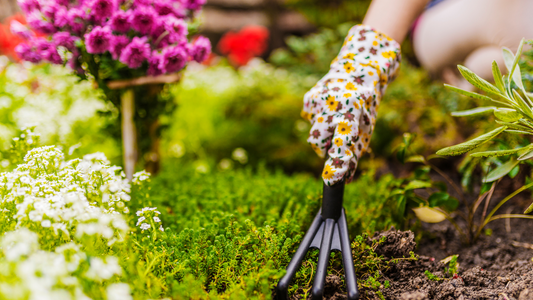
{"x": 510, "y": 216}
{"x": 487, "y": 201}
{"x": 489, "y": 217}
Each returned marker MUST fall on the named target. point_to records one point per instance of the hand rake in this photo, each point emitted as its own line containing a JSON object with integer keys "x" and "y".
{"x": 328, "y": 232}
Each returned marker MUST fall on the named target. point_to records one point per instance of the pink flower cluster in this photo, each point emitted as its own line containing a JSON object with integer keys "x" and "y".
{"x": 139, "y": 33}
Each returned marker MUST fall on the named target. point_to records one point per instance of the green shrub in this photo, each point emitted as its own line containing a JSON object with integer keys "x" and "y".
{"x": 256, "y": 108}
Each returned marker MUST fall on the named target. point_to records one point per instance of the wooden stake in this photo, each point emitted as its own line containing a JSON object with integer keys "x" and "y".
{"x": 129, "y": 140}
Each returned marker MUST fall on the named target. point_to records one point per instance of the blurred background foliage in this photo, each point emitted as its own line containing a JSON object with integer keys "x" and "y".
{"x": 235, "y": 148}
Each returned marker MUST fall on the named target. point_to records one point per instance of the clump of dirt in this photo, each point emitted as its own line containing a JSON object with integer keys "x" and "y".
{"x": 396, "y": 243}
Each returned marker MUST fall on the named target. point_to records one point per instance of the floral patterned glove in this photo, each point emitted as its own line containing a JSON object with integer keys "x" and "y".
{"x": 342, "y": 105}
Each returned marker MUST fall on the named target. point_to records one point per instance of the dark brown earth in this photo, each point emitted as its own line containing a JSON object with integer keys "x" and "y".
{"x": 499, "y": 266}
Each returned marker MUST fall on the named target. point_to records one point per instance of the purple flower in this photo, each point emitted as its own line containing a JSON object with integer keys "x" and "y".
{"x": 118, "y": 43}
{"x": 140, "y": 3}
{"x": 120, "y": 21}
{"x": 174, "y": 59}
{"x": 135, "y": 53}
{"x": 64, "y": 39}
{"x": 20, "y": 30}
{"x": 167, "y": 7}
{"x": 48, "y": 51}
{"x": 177, "y": 29}
{"x": 76, "y": 20}
{"x": 28, "y": 6}
{"x": 200, "y": 50}
{"x": 98, "y": 40}
{"x": 143, "y": 19}
{"x": 36, "y": 21}
{"x": 154, "y": 63}
{"x": 194, "y": 4}
{"x": 159, "y": 34}
{"x": 101, "y": 9}
{"x": 61, "y": 17}
{"x": 25, "y": 52}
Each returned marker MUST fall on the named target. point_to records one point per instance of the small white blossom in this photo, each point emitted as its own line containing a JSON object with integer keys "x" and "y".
{"x": 119, "y": 291}
{"x": 103, "y": 270}
{"x": 46, "y": 223}
{"x": 157, "y": 220}
{"x": 145, "y": 226}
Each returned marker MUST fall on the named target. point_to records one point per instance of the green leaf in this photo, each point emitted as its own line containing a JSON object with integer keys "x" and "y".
{"x": 472, "y": 144}
{"x": 526, "y": 155}
{"x": 474, "y": 112}
{"x": 400, "y": 206}
{"x": 529, "y": 209}
{"x": 415, "y": 158}
{"x": 524, "y": 106}
{"x": 514, "y": 172}
{"x": 507, "y": 114}
{"x": 443, "y": 199}
{"x": 511, "y": 59}
{"x": 417, "y": 184}
{"x": 485, "y": 187}
{"x": 469, "y": 94}
{"x": 441, "y": 186}
{"x": 518, "y": 131}
{"x": 496, "y": 153}
{"x": 477, "y": 81}
{"x": 400, "y": 154}
{"x": 501, "y": 171}
{"x": 497, "y": 74}
{"x": 513, "y": 125}
{"x": 526, "y": 123}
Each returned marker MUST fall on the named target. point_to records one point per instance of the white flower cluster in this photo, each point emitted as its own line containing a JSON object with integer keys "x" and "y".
{"x": 63, "y": 207}
{"x": 140, "y": 177}
{"x": 85, "y": 196}
{"x": 31, "y": 273}
{"x": 148, "y": 217}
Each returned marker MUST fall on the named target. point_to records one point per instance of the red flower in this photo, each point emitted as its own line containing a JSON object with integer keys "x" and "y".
{"x": 242, "y": 46}
{"x": 8, "y": 41}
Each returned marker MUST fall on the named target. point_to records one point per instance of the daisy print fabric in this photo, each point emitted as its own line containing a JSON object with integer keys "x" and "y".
{"x": 342, "y": 106}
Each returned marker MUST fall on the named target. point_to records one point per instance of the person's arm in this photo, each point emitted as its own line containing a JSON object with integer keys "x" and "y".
{"x": 394, "y": 17}
{"x": 343, "y": 105}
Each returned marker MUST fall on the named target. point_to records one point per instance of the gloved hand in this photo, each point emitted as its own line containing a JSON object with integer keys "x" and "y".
{"x": 342, "y": 105}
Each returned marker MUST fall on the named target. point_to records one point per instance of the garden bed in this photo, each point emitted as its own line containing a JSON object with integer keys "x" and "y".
{"x": 499, "y": 266}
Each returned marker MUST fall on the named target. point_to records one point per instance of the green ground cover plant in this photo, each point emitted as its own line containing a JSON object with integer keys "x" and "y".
{"x": 183, "y": 234}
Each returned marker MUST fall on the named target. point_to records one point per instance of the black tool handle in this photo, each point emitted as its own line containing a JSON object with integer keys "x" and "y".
{"x": 332, "y": 200}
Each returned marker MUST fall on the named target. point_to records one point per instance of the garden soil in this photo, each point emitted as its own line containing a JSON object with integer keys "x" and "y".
{"x": 498, "y": 266}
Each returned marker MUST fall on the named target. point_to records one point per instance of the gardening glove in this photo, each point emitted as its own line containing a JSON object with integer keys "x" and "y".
{"x": 342, "y": 105}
